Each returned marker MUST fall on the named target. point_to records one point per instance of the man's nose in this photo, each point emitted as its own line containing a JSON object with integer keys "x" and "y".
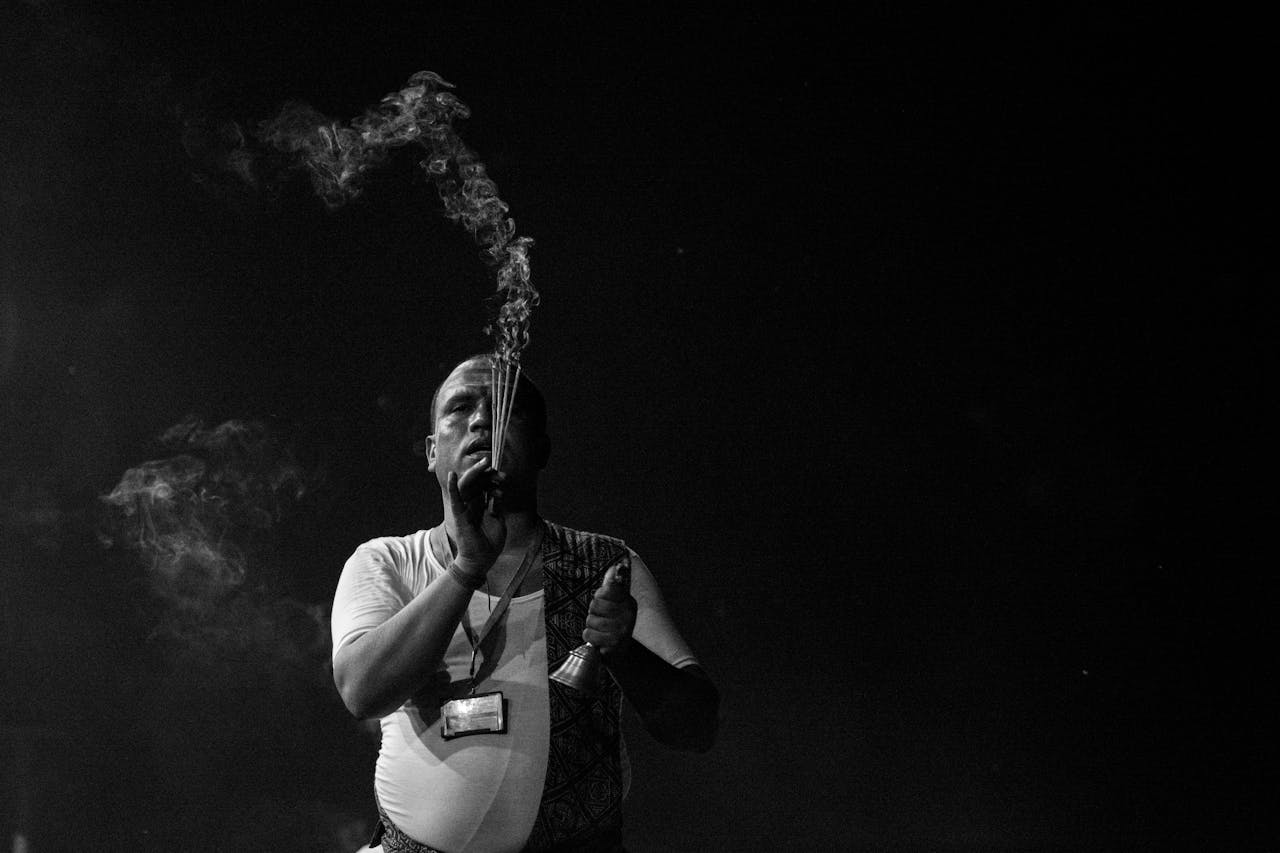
{"x": 482, "y": 415}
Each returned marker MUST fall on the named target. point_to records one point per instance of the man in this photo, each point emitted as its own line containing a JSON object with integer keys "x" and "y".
{"x": 448, "y": 635}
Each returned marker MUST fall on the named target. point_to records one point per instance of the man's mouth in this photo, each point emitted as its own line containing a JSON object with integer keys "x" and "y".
{"x": 477, "y": 447}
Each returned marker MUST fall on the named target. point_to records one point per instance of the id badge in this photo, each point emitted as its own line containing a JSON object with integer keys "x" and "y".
{"x": 482, "y": 714}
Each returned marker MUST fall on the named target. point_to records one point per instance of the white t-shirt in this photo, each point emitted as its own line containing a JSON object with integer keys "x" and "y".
{"x": 479, "y": 792}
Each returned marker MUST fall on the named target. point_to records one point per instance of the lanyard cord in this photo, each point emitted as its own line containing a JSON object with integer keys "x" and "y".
{"x": 496, "y": 614}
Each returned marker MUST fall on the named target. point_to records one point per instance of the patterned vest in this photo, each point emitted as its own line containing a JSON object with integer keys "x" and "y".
{"x": 582, "y": 796}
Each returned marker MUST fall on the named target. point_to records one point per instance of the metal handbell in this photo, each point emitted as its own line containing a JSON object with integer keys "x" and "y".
{"x": 581, "y": 669}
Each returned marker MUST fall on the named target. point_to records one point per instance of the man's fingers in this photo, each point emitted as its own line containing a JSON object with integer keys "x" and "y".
{"x": 610, "y": 608}
{"x": 470, "y": 491}
{"x": 609, "y": 622}
{"x": 621, "y": 615}
{"x": 472, "y": 479}
{"x": 479, "y": 480}
{"x": 605, "y": 624}
{"x": 598, "y": 639}
{"x": 612, "y": 590}
{"x": 455, "y": 493}
{"x": 604, "y": 633}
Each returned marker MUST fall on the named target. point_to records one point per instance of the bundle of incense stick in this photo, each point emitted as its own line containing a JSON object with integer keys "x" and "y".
{"x": 505, "y": 379}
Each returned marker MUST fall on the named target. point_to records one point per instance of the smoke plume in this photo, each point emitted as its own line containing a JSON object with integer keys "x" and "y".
{"x": 201, "y": 521}
{"x": 422, "y": 113}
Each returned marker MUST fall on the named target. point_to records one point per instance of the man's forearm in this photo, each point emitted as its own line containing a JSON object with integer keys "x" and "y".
{"x": 679, "y": 707}
{"x": 377, "y": 672}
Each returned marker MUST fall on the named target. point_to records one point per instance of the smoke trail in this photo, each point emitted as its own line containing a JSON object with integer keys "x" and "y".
{"x": 201, "y": 521}
{"x": 217, "y": 146}
{"x": 421, "y": 113}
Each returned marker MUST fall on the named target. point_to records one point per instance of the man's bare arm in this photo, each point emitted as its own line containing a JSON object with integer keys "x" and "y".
{"x": 379, "y": 670}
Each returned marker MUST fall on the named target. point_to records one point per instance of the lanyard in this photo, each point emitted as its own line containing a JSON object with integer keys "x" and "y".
{"x": 496, "y": 614}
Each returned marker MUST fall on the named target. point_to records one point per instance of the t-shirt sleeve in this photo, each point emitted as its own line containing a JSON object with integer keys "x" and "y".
{"x": 370, "y": 591}
{"x": 655, "y": 630}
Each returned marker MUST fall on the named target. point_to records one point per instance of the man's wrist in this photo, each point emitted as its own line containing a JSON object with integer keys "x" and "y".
{"x": 620, "y": 652}
{"x": 466, "y": 575}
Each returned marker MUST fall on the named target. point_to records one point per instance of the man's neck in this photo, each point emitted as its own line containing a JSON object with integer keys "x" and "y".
{"x": 522, "y": 529}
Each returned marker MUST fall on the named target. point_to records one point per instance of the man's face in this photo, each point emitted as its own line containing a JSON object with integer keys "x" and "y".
{"x": 464, "y": 428}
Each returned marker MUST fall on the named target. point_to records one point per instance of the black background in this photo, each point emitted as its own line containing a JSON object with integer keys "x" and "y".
{"x": 903, "y": 346}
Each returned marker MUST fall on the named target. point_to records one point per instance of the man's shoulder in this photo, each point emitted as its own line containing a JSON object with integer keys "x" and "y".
{"x": 400, "y": 550}
{"x": 571, "y": 537}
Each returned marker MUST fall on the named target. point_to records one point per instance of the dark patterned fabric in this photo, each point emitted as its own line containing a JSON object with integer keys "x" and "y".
{"x": 582, "y": 796}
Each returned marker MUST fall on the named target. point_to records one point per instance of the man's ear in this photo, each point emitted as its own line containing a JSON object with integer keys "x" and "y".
{"x": 431, "y": 453}
{"x": 542, "y": 452}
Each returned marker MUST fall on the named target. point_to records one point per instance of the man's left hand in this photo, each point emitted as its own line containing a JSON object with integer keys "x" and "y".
{"x": 612, "y": 616}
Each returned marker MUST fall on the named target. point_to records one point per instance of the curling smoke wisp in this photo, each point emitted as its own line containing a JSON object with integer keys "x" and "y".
{"x": 194, "y": 515}
{"x": 201, "y": 521}
{"x": 422, "y": 113}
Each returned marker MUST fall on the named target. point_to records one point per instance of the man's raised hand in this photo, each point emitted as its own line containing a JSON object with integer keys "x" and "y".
{"x": 481, "y": 525}
{"x": 612, "y": 615}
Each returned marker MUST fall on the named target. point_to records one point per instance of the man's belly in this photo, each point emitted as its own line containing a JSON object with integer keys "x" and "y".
{"x": 481, "y": 791}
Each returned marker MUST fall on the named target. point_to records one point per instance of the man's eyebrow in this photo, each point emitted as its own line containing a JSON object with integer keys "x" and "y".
{"x": 464, "y": 391}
